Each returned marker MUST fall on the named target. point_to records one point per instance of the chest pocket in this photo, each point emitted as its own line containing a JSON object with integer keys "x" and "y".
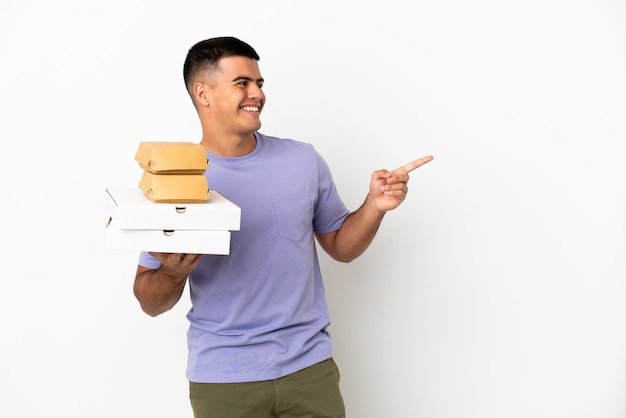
{"x": 294, "y": 215}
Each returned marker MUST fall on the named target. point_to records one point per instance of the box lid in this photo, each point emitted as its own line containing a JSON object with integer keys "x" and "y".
{"x": 170, "y": 157}
{"x": 132, "y": 210}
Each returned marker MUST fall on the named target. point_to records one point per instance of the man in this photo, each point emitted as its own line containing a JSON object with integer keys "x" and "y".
{"x": 258, "y": 340}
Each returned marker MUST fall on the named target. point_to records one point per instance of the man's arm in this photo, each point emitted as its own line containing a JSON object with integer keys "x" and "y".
{"x": 158, "y": 290}
{"x": 388, "y": 190}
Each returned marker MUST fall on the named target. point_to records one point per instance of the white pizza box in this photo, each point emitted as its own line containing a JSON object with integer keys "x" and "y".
{"x": 167, "y": 241}
{"x": 131, "y": 209}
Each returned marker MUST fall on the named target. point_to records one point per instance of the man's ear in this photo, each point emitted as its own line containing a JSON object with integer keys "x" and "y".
{"x": 200, "y": 91}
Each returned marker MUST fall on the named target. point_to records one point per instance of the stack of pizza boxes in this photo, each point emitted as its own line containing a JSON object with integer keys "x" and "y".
{"x": 173, "y": 210}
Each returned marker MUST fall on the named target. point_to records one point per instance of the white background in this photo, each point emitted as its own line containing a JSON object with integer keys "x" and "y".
{"x": 497, "y": 290}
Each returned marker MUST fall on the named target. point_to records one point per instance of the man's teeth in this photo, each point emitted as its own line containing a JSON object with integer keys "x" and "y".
{"x": 251, "y": 108}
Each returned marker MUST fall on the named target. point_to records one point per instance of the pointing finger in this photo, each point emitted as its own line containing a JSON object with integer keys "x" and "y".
{"x": 407, "y": 168}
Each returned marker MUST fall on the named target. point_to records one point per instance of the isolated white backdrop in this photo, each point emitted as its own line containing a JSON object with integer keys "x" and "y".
{"x": 497, "y": 290}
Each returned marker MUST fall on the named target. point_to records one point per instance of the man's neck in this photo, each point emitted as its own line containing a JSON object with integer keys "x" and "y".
{"x": 229, "y": 145}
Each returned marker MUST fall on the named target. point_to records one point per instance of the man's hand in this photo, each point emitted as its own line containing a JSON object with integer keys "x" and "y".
{"x": 158, "y": 290}
{"x": 389, "y": 188}
{"x": 177, "y": 265}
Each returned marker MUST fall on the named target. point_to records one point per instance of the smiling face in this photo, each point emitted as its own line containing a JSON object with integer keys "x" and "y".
{"x": 230, "y": 99}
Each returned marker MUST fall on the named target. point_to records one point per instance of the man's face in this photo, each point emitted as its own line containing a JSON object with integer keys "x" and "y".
{"x": 235, "y": 95}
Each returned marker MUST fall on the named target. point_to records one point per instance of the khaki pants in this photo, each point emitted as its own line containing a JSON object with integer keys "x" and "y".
{"x": 310, "y": 393}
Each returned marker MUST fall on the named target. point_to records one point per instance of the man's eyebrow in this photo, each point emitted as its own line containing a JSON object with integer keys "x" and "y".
{"x": 243, "y": 78}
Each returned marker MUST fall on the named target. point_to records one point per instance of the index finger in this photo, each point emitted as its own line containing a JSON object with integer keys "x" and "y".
{"x": 407, "y": 168}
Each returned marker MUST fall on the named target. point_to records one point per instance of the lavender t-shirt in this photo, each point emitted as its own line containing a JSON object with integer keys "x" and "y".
{"x": 260, "y": 312}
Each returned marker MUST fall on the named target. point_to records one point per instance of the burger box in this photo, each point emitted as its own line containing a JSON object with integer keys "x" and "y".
{"x": 137, "y": 223}
{"x": 172, "y": 157}
{"x": 174, "y": 188}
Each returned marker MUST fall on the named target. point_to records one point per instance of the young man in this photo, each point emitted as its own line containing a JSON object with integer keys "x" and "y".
{"x": 258, "y": 340}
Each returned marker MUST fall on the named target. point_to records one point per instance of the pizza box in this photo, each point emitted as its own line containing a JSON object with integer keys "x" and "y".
{"x": 167, "y": 241}
{"x": 131, "y": 209}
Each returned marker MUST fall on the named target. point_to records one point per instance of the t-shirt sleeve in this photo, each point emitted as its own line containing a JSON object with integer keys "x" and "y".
{"x": 146, "y": 260}
{"x": 330, "y": 211}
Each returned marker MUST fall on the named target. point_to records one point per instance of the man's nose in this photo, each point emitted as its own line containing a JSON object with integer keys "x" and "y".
{"x": 255, "y": 92}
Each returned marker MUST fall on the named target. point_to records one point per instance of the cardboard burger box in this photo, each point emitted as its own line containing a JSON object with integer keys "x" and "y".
{"x": 137, "y": 223}
{"x": 167, "y": 157}
{"x": 174, "y": 188}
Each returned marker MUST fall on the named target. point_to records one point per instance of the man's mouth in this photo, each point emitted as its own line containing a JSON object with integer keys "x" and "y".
{"x": 250, "y": 108}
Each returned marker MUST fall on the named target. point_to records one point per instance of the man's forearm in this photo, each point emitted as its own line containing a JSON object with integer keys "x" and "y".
{"x": 358, "y": 231}
{"x": 158, "y": 292}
